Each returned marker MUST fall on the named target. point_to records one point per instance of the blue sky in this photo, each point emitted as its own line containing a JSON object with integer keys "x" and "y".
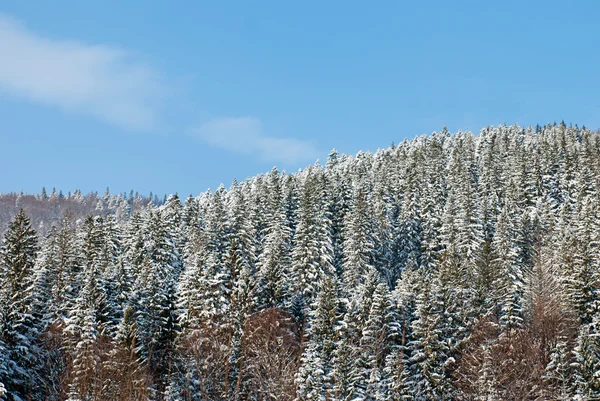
{"x": 182, "y": 96}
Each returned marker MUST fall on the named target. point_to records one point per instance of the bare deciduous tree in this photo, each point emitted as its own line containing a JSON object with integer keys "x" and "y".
{"x": 269, "y": 357}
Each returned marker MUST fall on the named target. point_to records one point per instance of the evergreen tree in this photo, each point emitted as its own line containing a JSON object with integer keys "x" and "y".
{"x": 20, "y": 330}
{"x": 154, "y": 293}
{"x": 587, "y": 362}
{"x": 83, "y": 330}
{"x": 315, "y": 378}
{"x": 559, "y": 372}
{"x": 432, "y": 350}
{"x": 274, "y": 260}
{"x": 369, "y": 380}
{"x": 508, "y": 292}
{"x": 311, "y": 252}
{"x": 358, "y": 246}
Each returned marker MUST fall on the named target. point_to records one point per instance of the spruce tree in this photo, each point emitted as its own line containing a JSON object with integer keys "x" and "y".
{"x": 20, "y": 329}
{"x": 587, "y": 361}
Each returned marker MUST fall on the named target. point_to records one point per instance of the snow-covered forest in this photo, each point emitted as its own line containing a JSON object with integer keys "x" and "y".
{"x": 448, "y": 267}
{"x": 49, "y": 207}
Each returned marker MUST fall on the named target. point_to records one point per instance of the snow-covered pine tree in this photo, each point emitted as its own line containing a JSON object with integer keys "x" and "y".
{"x": 83, "y": 347}
{"x": 370, "y": 378}
{"x": 359, "y": 242}
{"x": 273, "y": 261}
{"x": 315, "y": 379}
{"x": 153, "y": 299}
{"x": 579, "y": 252}
{"x": 20, "y": 329}
{"x": 587, "y": 361}
{"x": 432, "y": 351}
{"x": 508, "y": 293}
{"x": 559, "y": 378}
{"x": 311, "y": 252}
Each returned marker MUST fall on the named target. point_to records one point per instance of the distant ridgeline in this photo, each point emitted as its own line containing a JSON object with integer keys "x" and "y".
{"x": 448, "y": 267}
{"x": 44, "y": 209}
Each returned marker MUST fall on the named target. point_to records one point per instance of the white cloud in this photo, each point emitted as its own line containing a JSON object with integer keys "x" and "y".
{"x": 113, "y": 85}
{"x": 245, "y": 135}
{"x": 101, "y": 81}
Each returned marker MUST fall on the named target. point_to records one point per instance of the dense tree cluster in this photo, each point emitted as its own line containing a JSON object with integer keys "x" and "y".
{"x": 449, "y": 267}
{"x": 48, "y": 207}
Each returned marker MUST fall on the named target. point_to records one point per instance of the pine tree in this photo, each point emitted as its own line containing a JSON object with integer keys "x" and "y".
{"x": 20, "y": 330}
{"x": 559, "y": 372}
{"x": 508, "y": 292}
{"x": 316, "y": 375}
{"x": 587, "y": 361}
{"x": 311, "y": 252}
{"x": 242, "y": 301}
{"x": 274, "y": 260}
{"x": 83, "y": 330}
{"x": 154, "y": 299}
{"x": 4, "y": 368}
{"x": 432, "y": 351}
{"x": 369, "y": 379}
{"x": 358, "y": 246}
{"x": 578, "y": 253}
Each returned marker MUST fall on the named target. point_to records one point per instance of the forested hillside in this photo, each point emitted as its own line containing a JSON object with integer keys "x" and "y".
{"x": 448, "y": 267}
{"x": 45, "y": 209}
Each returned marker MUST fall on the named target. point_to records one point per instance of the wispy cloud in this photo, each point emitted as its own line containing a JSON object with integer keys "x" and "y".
{"x": 245, "y": 135}
{"x": 105, "y": 82}
{"x": 115, "y": 86}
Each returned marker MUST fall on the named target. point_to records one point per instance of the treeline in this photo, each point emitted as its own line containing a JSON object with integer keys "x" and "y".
{"x": 449, "y": 267}
{"x": 46, "y": 209}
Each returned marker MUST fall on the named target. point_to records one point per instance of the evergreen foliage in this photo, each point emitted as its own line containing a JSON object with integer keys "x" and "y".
{"x": 447, "y": 267}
